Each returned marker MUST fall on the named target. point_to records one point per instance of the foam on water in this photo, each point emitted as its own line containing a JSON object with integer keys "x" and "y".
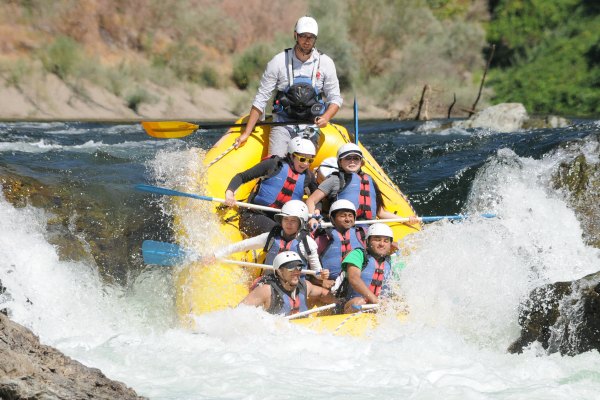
{"x": 463, "y": 283}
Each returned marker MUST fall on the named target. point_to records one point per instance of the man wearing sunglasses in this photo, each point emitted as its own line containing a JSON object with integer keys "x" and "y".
{"x": 301, "y": 76}
{"x": 284, "y": 293}
{"x": 281, "y": 180}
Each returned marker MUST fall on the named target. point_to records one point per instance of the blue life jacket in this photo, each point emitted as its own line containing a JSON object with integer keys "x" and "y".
{"x": 276, "y": 244}
{"x": 360, "y": 190}
{"x": 374, "y": 274}
{"x": 339, "y": 246}
{"x": 281, "y": 302}
{"x": 279, "y": 188}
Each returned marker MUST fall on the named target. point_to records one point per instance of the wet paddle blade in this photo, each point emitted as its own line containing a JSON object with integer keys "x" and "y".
{"x": 169, "y": 129}
{"x": 161, "y": 253}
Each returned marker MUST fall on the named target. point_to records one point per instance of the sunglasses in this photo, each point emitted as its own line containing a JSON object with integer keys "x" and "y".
{"x": 304, "y": 159}
{"x": 352, "y": 158}
{"x": 292, "y": 266}
{"x": 307, "y": 36}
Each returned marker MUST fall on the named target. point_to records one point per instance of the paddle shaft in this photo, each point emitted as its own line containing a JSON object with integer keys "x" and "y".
{"x": 355, "y": 121}
{"x": 180, "y": 129}
{"x": 170, "y": 192}
{"x": 225, "y": 126}
{"x": 169, "y": 254}
{"x": 311, "y": 311}
{"x": 263, "y": 266}
{"x": 422, "y": 219}
{"x": 366, "y": 307}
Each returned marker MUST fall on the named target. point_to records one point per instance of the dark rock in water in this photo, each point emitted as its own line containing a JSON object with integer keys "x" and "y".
{"x": 563, "y": 317}
{"x": 2, "y": 294}
{"x": 581, "y": 180}
{"x": 90, "y": 224}
{"x": 30, "y": 370}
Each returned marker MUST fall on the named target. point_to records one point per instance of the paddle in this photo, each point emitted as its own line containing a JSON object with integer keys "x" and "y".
{"x": 170, "y": 254}
{"x": 422, "y": 219}
{"x": 355, "y": 121}
{"x": 179, "y": 129}
{"x": 365, "y": 307}
{"x": 311, "y": 311}
{"x": 170, "y": 192}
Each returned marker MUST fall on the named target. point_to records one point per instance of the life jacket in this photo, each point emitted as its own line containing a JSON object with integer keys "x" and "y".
{"x": 301, "y": 100}
{"x": 360, "y": 190}
{"x": 281, "y": 302}
{"x": 283, "y": 185}
{"x": 374, "y": 274}
{"x": 339, "y": 246}
{"x": 276, "y": 244}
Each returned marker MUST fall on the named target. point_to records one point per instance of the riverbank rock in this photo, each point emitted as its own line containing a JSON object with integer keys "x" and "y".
{"x": 580, "y": 179}
{"x": 563, "y": 317}
{"x": 31, "y": 370}
{"x": 504, "y": 117}
{"x": 100, "y": 226}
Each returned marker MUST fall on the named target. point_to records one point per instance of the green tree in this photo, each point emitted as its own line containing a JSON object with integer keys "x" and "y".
{"x": 547, "y": 55}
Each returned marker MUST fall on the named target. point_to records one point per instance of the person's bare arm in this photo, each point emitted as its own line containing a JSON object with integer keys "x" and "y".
{"x": 259, "y": 297}
{"x": 311, "y": 203}
{"x": 255, "y": 114}
{"x": 355, "y": 280}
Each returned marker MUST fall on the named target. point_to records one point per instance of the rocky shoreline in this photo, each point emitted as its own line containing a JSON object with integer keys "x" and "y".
{"x": 31, "y": 370}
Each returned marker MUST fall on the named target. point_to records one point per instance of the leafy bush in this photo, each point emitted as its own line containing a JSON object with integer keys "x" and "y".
{"x": 62, "y": 57}
{"x": 210, "y": 77}
{"x": 550, "y": 66}
{"x": 183, "y": 58}
{"x": 15, "y": 72}
{"x": 250, "y": 65}
{"x": 138, "y": 96}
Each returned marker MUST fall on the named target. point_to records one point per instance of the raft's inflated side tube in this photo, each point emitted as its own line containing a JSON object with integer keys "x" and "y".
{"x": 201, "y": 289}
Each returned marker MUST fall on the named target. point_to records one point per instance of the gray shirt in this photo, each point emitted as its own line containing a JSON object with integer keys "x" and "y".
{"x": 330, "y": 186}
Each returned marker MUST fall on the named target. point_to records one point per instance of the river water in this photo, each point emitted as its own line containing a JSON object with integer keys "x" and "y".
{"x": 463, "y": 281}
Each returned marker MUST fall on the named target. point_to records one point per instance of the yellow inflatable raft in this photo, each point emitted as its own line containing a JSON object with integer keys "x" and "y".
{"x": 202, "y": 289}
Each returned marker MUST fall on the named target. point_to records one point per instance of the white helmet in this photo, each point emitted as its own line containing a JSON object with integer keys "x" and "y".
{"x": 348, "y": 149}
{"x": 286, "y": 257}
{"x": 307, "y": 25}
{"x": 302, "y": 146}
{"x": 341, "y": 205}
{"x": 328, "y": 166}
{"x": 293, "y": 208}
{"x": 380, "y": 229}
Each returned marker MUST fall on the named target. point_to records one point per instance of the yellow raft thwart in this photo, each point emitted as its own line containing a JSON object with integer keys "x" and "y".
{"x": 202, "y": 289}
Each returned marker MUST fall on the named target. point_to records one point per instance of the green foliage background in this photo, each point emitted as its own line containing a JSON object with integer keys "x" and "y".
{"x": 548, "y": 55}
{"x": 547, "y": 51}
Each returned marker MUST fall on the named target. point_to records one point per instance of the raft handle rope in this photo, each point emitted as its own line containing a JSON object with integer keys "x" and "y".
{"x": 221, "y": 155}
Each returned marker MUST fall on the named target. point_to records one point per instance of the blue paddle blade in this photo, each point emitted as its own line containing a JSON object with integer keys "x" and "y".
{"x": 161, "y": 253}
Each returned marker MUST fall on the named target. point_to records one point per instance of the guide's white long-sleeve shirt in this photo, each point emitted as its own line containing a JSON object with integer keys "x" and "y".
{"x": 275, "y": 77}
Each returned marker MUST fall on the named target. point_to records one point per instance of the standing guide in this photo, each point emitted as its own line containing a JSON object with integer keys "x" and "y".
{"x": 301, "y": 75}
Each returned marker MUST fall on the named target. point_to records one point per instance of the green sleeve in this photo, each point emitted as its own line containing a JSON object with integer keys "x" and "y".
{"x": 356, "y": 257}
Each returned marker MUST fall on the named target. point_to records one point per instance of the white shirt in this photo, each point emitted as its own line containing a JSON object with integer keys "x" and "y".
{"x": 259, "y": 242}
{"x": 275, "y": 77}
